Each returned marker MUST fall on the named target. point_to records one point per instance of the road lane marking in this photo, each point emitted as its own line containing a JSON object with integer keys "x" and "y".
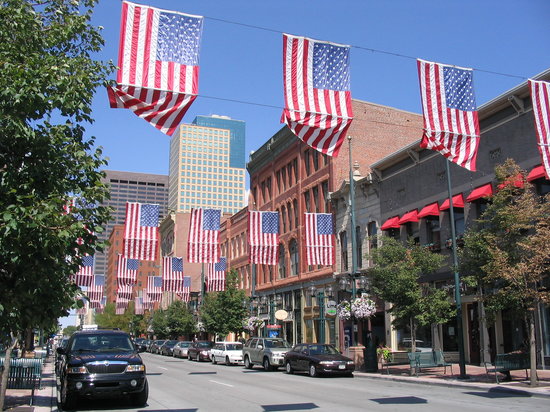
{"x": 160, "y": 367}
{"x": 221, "y": 383}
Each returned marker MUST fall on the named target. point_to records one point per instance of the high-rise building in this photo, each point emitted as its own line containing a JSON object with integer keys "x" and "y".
{"x": 130, "y": 187}
{"x": 207, "y": 165}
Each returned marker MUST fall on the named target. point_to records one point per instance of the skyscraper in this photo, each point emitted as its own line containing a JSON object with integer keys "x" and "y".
{"x": 130, "y": 187}
{"x": 207, "y": 167}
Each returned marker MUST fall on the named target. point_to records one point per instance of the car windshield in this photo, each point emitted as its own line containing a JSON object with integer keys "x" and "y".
{"x": 183, "y": 344}
{"x": 102, "y": 343}
{"x": 234, "y": 346}
{"x": 323, "y": 350}
{"x": 204, "y": 344}
{"x": 171, "y": 342}
{"x": 271, "y": 343}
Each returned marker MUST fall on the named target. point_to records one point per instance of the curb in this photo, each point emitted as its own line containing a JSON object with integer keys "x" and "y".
{"x": 457, "y": 384}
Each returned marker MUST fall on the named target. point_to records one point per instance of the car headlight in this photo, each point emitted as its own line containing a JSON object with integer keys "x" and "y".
{"x": 135, "y": 368}
{"x": 325, "y": 363}
{"x": 77, "y": 369}
{"x": 350, "y": 362}
{"x": 204, "y": 352}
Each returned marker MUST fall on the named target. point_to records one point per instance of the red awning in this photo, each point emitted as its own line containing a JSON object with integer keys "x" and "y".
{"x": 411, "y": 216}
{"x": 391, "y": 223}
{"x": 430, "y": 210}
{"x": 536, "y": 173}
{"x": 458, "y": 201}
{"x": 481, "y": 191}
{"x": 516, "y": 181}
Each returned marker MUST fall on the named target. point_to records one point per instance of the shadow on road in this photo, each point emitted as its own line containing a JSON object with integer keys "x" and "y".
{"x": 289, "y": 407}
{"x": 496, "y": 393}
{"x": 401, "y": 400}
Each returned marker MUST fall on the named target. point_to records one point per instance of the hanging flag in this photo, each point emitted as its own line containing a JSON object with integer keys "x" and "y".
{"x": 186, "y": 294}
{"x": 154, "y": 288}
{"x": 138, "y": 306}
{"x": 126, "y": 270}
{"x": 451, "y": 124}
{"x": 141, "y": 232}
{"x": 147, "y": 304}
{"x": 216, "y": 276}
{"x": 172, "y": 274}
{"x": 204, "y": 229}
{"x": 95, "y": 291}
{"x": 317, "y": 92}
{"x": 263, "y": 237}
{"x": 85, "y": 275}
{"x": 124, "y": 292}
{"x": 319, "y": 239}
{"x": 158, "y": 58}
{"x": 540, "y": 95}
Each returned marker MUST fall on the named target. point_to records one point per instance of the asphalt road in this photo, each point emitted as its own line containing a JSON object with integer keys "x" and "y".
{"x": 185, "y": 386}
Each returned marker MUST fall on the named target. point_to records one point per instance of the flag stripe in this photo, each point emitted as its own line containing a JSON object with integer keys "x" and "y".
{"x": 540, "y": 96}
{"x": 319, "y": 246}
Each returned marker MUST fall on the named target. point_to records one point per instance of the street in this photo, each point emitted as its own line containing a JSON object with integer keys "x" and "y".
{"x": 182, "y": 385}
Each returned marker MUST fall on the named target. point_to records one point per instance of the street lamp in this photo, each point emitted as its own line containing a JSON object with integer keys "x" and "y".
{"x": 320, "y": 294}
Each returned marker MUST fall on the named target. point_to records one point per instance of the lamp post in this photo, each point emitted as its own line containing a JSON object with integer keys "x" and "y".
{"x": 320, "y": 294}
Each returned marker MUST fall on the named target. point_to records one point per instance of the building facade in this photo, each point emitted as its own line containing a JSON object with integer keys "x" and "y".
{"x": 204, "y": 169}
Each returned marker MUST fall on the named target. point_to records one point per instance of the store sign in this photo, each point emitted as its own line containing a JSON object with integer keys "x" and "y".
{"x": 330, "y": 308}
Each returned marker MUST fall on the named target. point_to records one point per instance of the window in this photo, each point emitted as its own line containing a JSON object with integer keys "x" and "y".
{"x": 295, "y": 209}
{"x": 316, "y": 198}
{"x": 459, "y": 220}
{"x": 283, "y": 178}
{"x": 372, "y": 231}
{"x": 324, "y": 189}
{"x": 433, "y": 232}
{"x": 307, "y": 201}
{"x": 315, "y": 155}
{"x": 283, "y": 218}
{"x": 294, "y": 257}
{"x": 278, "y": 177}
{"x": 306, "y": 162}
{"x": 282, "y": 263}
{"x": 359, "y": 245}
{"x": 295, "y": 168}
{"x": 344, "y": 251}
{"x": 289, "y": 210}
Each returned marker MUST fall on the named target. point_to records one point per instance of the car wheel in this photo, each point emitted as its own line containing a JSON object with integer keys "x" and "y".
{"x": 312, "y": 371}
{"x": 198, "y": 358}
{"x": 214, "y": 359}
{"x": 247, "y": 363}
{"x": 68, "y": 400}
{"x": 140, "y": 399}
{"x": 288, "y": 368}
{"x": 267, "y": 365}
{"x": 227, "y": 362}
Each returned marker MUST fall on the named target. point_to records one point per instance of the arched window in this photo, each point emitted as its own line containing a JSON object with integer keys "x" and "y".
{"x": 282, "y": 262}
{"x": 283, "y": 218}
{"x": 294, "y": 258}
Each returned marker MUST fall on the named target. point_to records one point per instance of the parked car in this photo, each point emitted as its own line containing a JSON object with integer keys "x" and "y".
{"x": 227, "y": 352}
{"x": 421, "y": 346}
{"x": 155, "y": 346}
{"x": 268, "y": 352}
{"x": 180, "y": 349}
{"x": 200, "y": 350}
{"x": 167, "y": 347}
{"x": 100, "y": 363}
{"x": 317, "y": 359}
{"x": 143, "y": 345}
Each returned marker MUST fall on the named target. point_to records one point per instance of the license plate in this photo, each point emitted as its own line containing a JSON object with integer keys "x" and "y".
{"x": 341, "y": 366}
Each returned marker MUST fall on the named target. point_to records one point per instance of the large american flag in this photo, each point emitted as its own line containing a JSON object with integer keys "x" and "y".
{"x": 154, "y": 288}
{"x": 186, "y": 294}
{"x": 159, "y": 64}
{"x": 451, "y": 123}
{"x": 263, "y": 237}
{"x": 124, "y": 291}
{"x": 95, "y": 290}
{"x": 147, "y": 303}
{"x": 319, "y": 239}
{"x": 121, "y": 304}
{"x": 216, "y": 275}
{"x": 317, "y": 92}
{"x": 540, "y": 95}
{"x": 172, "y": 274}
{"x": 138, "y": 306}
{"x": 141, "y": 232}
{"x": 203, "y": 243}
{"x": 85, "y": 275}
{"x": 126, "y": 270}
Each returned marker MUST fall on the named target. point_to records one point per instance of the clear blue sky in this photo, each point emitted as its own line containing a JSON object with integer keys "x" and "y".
{"x": 245, "y": 64}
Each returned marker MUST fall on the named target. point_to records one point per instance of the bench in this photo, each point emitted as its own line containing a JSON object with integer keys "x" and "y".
{"x": 432, "y": 359}
{"x": 397, "y": 358}
{"x": 24, "y": 374}
{"x": 505, "y": 362}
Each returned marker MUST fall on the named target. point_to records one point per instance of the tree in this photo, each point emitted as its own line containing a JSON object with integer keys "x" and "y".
{"x": 397, "y": 278}
{"x": 224, "y": 312}
{"x": 47, "y": 81}
{"x": 179, "y": 320}
{"x": 506, "y": 254}
{"x": 108, "y": 319}
{"x": 69, "y": 330}
{"x": 159, "y": 324}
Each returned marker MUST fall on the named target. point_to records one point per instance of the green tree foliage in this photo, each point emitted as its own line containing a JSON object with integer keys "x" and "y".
{"x": 47, "y": 81}
{"x": 108, "y": 319}
{"x": 397, "y": 278}
{"x": 179, "y": 320}
{"x": 224, "y": 312}
{"x": 69, "y": 330}
{"x": 506, "y": 253}
{"x": 159, "y": 324}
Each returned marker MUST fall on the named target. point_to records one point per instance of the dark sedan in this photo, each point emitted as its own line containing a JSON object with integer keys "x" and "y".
{"x": 317, "y": 359}
{"x": 155, "y": 346}
{"x": 168, "y": 347}
{"x": 200, "y": 350}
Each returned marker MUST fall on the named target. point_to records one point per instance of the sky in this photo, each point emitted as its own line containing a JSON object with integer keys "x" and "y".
{"x": 243, "y": 63}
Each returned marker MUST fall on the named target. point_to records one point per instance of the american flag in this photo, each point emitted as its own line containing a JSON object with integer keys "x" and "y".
{"x": 124, "y": 291}
{"x": 147, "y": 303}
{"x": 126, "y": 270}
{"x": 186, "y": 294}
{"x": 95, "y": 290}
{"x": 98, "y": 306}
{"x": 216, "y": 275}
{"x": 141, "y": 232}
{"x": 138, "y": 306}
{"x": 451, "y": 123}
{"x": 203, "y": 244}
{"x": 540, "y": 95}
{"x": 263, "y": 237}
{"x": 154, "y": 288}
{"x": 158, "y": 58}
{"x": 317, "y": 92}
{"x": 319, "y": 239}
{"x": 172, "y": 274}
{"x": 85, "y": 275}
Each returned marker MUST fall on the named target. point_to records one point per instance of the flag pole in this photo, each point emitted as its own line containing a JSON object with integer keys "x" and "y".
{"x": 458, "y": 299}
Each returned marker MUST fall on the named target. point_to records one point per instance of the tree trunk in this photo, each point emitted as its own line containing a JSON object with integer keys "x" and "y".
{"x": 532, "y": 351}
{"x": 6, "y": 371}
{"x": 412, "y": 325}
